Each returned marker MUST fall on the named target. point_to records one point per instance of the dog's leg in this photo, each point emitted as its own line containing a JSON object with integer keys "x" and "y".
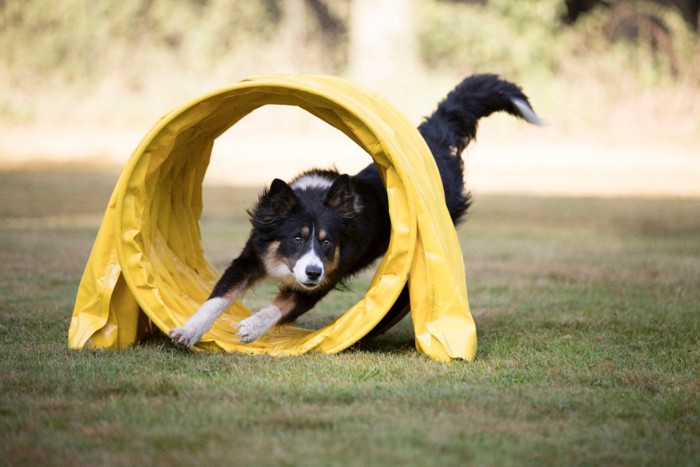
{"x": 201, "y": 322}
{"x": 286, "y": 307}
{"x": 251, "y": 328}
{"x": 243, "y": 272}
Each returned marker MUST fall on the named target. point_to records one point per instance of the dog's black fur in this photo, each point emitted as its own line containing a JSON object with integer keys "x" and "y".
{"x": 323, "y": 227}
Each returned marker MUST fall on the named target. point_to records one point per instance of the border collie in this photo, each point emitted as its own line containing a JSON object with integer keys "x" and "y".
{"x": 313, "y": 233}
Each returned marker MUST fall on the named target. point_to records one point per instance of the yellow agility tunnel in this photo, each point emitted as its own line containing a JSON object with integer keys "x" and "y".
{"x": 148, "y": 267}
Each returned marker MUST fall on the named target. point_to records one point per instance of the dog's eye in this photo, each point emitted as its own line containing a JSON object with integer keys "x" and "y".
{"x": 326, "y": 243}
{"x": 297, "y": 240}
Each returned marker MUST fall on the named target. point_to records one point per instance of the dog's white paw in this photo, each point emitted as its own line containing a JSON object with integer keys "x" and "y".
{"x": 250, "y": 329}
{"x": 184, "y": 336}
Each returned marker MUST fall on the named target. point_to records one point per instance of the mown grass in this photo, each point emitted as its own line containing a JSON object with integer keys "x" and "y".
{"x": 588, "y": 313}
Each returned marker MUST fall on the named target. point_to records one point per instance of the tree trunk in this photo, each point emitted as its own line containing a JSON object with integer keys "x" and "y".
{"x": 382, "y": 41}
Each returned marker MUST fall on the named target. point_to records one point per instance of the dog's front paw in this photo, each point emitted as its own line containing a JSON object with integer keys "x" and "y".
{"x": 184, "y": 336}
{"x": 250, "y": 329}
{"x": 255, "y": 326}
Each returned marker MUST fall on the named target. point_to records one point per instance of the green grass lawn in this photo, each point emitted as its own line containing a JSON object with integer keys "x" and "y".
{"x": 588, "y": 312}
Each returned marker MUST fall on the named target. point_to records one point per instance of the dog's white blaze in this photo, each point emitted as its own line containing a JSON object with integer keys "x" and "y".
{"x": 255, "y": 326}
{"x": 311, "y": 258}
{"x": 200, "y": 322}
{"x": 312, "y": 181}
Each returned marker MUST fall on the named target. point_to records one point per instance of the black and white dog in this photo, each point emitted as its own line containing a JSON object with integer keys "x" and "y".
{"x": 315, "y": 232}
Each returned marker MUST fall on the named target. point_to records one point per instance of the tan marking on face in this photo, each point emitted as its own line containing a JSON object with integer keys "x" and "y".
{"x": 276, "y": 267}
{"x": 271, "y": 253}
{"x": 330, "y": 267}
{"x": 322, "y": 234}
{"x": 305, "y": 231}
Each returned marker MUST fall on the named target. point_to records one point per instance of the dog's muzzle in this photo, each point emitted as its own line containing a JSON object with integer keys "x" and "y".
{"x": 309, "y": 271}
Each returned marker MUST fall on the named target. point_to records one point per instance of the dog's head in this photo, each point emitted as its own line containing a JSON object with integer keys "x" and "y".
{"x": 299, "y": 229}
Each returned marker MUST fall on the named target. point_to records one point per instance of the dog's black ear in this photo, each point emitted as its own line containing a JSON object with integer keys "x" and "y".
{"x": 274, "y": 205}
{"x": 282, "y": 197}
{"x": 342, "y": 198}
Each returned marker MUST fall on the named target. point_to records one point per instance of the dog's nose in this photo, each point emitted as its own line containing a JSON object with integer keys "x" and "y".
{"x": 313, "y": 271}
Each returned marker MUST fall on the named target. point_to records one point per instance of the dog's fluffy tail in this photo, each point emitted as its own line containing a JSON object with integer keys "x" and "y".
{"x": 455, "y": 121}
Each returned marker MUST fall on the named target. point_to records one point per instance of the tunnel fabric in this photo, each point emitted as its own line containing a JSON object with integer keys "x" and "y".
{"x": 147, "y": 266}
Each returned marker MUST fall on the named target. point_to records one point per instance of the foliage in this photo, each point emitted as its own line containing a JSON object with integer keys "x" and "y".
{"x": 582, "y": 74}
{"x": 141, "y": 48}
{"x": 512, "y": 37}
{"x": 80, "y": 40}
{"x": 522, "y": 38}
{"x": 113, "y": 61}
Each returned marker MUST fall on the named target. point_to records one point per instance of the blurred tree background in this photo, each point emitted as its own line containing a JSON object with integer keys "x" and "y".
{"x": 124, "y": 61}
